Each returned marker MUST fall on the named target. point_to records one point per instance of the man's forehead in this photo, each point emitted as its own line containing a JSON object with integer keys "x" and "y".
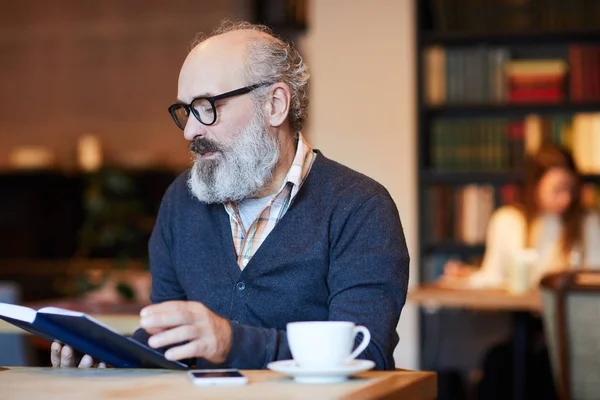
{"x": 213, "y": 67}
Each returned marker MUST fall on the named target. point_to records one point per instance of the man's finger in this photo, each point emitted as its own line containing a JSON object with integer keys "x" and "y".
{"x": 67, "y": 357}
{"x": 55, "y": 354}
{"x": 169, "y": 319}
{"x": 174, "y": 305}
{"x": 154, "y": 331}
{"x": 178, "y": 334}
{"x": 86, "y": 362}
{"x": 102, "y": 365}
{"x": 196, "y": 348}
{"x": 161, "y": 307}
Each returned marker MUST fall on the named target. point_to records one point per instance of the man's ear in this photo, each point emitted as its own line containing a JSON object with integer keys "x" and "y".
{"x": 277, "y": 106}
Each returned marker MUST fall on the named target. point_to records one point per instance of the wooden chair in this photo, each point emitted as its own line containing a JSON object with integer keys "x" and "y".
{"x": 572, "y": 324}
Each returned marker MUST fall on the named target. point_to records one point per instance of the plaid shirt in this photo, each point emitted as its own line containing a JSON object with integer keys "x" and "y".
{"x": 247, "y": 242}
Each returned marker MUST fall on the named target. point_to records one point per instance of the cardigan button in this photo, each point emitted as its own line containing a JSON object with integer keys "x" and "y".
{"x": 240, "y": 286}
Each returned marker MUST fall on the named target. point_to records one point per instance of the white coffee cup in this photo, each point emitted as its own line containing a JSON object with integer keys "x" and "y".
{"x": 325, "y": 344}
{"x": 522, "y": 274}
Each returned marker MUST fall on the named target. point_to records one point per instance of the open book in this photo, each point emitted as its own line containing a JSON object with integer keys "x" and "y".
{"x": 86, "y": 335}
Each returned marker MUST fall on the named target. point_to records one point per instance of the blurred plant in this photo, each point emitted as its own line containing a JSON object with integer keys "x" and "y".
{"x": 115, "y": 226}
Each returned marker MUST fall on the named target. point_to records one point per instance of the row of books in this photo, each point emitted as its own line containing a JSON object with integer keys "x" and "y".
{"x": 476, "y": 145}
{"x": 465, "y": 75}
{"x": 584, "y": 61}
{"x": 488, "y": 75}
{"x": 461, "y": 214}
{"x": 484, "y": 16}
{"x": 484, "y": 144}
{"x": 536, "y": 81}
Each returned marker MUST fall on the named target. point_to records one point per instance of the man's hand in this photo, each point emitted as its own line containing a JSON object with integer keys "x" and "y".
{"x": 65, "y": 357}
{"x": 205, "y": 334}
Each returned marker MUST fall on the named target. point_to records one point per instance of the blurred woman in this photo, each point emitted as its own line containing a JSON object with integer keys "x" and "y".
{"x": 551, "y": 222}
{"x": 550, "y": 219}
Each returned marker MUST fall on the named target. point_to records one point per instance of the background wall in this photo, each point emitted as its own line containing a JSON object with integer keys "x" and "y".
{"x": 106, "y": 67}
{"x": 362, "y": 113}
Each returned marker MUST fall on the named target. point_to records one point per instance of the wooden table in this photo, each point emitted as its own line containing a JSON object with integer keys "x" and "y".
{"x": 475, "y": 299}
{"x": 488, "y": 299}
{"x": 89, "y": 384}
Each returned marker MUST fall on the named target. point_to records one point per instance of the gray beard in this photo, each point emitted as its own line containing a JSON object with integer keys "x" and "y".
{"x": 239, "y": 171}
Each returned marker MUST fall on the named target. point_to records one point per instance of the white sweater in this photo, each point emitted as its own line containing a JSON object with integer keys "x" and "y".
{"x": 505, "y": 239}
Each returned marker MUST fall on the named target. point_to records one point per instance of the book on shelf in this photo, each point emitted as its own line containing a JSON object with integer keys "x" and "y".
{"x": 475, "y": 145}
{"x": 536, "y": 81}
{"x": 585, "y": 72}
{"x": 585, "y": 137}
{"x": 461, "y": 214}
{"x": 435, "y": 81}
{"x": 496, "y": 144}
{"x": 579, "y": 133}
{"x": 87, "y": 335}
{"x": 481, "y": 74}
{"x": 465, "y": 75}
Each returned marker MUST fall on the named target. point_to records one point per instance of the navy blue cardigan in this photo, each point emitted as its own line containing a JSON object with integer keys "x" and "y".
{"x": 338, "y": 253}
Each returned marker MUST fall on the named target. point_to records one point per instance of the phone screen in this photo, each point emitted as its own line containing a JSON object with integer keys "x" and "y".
{"x": 216, "y": 374}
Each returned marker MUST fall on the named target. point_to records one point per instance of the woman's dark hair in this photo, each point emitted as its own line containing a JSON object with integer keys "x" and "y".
{"x": 536, "y": 166}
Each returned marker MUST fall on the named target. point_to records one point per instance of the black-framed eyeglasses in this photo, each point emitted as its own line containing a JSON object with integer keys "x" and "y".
{"x": 203, "y": 108}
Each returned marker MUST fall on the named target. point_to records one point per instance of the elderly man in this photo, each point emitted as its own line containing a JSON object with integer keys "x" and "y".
{"x": 263, "y": 230}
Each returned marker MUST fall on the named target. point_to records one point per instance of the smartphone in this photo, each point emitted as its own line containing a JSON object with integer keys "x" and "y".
{"x": 217, "y": 377}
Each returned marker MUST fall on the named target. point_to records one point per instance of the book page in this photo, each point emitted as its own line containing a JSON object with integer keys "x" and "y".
{"x": 60, "y": 311}
{"x": 20, "y": 313}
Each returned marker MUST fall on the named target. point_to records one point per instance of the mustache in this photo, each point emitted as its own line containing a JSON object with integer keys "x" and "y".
{"x": 204, "y": 145}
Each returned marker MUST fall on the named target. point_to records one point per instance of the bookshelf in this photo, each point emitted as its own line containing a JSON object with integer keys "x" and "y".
{"x": 495, "y": 77}
{"x": 454, "y": 110}
{"x": 287, "y": 19}
{"x": 587, "y": 35}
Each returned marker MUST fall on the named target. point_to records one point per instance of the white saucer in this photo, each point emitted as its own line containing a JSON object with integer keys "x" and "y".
{"x": 320, "y": 375}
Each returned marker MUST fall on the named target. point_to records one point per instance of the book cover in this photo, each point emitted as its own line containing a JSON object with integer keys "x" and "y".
{"x": 87, "y": 335}
{"x": 435, "y": 83}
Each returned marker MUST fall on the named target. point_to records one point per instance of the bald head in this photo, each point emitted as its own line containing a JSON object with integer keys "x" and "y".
{"x": 216, "y": 65}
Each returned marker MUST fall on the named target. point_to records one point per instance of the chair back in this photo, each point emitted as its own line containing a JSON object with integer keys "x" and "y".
{"x": 13, "y": 346}
{"x": 571, "y": 315}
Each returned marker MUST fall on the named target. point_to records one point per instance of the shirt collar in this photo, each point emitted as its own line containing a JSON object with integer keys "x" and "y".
{"x": 300, "y": 166}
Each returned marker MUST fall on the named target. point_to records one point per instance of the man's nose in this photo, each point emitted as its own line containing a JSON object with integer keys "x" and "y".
{"x": 193, "y": 129}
